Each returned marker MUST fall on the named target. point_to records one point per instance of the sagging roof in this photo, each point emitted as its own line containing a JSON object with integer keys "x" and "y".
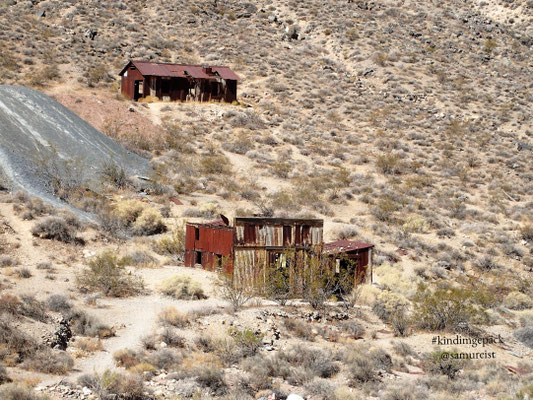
{"x": 148, "y": 68}
{"x": 344, "y": 246}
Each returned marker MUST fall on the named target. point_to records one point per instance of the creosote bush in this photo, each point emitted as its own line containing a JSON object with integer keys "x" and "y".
{"x": 450, "y": 308}
{"x": 106, "y": 274}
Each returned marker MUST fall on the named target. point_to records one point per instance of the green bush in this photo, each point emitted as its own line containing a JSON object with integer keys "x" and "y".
{"x": 449, "y": 308}
{"x": 247, "y": 340}
{"x": 106, "y": 274}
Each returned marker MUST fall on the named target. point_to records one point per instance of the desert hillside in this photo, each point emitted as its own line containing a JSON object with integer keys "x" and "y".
{"x": 400, "y": 123}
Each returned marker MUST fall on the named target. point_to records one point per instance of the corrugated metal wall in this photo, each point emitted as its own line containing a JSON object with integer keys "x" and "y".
{"x": 211, "y": 242}
{"x": 294, "y": 235}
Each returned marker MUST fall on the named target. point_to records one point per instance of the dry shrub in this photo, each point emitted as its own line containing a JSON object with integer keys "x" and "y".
{"x": 9, "y": 304}
{"x": 14, "y": 343}
{"x": 299, "y": 329}
{"x": 4, "y": 378}
{"x": 354, "y": 328}
{"x": 212, "y": 378}
{"x": 115, "y": 385}
{"x": 172, "y": 338}
{"x": 126, "y": 358}
{"x": 443, "y": 362}
{"x": 7, "y": 261}
{"x": 172, "y": 316}
{"x": 50, "y": 361}
{"x": 84, "y": 324}
{"x": 525, "y": 334}
{"x": 106, "y": 274}
{"x": 527, "y": 232}
{"x": 321, "y": 388}
{"x": 517, "y": 301}
{"x": 61, "y": 228}
{"x": 165, "y": 359}
{"x": 346, "y": 393}
{"x": 364, "y": 363}
{"x": 138, "y": 218}
{"x": 58, "y": 303}
{"x": 149, "y": 223}
{"x": 183, "y": 288}
{"x": 173, "y": 245}
{"x": 89, "y": 345}
{"x": 415, "y": 224}
{"x": 388, "y": 303}
{"x": 18, "y": 391}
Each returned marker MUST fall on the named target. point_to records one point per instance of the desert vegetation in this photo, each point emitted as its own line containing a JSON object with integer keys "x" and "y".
{"x": 403, "y": 124}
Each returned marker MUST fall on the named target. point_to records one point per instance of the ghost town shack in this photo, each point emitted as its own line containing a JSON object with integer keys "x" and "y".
{"x": 178, "y": 82}
{"x": 245, "y": 247}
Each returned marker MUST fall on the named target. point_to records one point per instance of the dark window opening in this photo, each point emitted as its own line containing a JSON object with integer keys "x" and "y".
{"x": 198, "y": 257}
{"x": 196, "y": 234}
{"x": 306, "y": 229}
{"x": 287, "y": 235}
{"x": 165, "y": 87}
{"x": 219, "y": 261}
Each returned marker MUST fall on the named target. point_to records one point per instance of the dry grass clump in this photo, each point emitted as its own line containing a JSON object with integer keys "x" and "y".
{"x": 182, "y": 287}
{"x": 106, "y": 274}
{"x": 61, "y": 228}
{"x": 172, "y": 316}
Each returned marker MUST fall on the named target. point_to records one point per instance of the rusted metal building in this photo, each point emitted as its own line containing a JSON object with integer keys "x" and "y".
{"x": 208, "y": 243}
{"x": 245, "y": 248}
{"x": 178, "y": 82}
{"x": 354, "y": 258}
{"x": 263, "y": 241}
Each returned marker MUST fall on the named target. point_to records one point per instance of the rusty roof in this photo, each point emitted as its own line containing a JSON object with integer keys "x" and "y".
{"x": 148, "y": 68}
{"x": 344, "y": 246}
{"x": 218, "y": 223}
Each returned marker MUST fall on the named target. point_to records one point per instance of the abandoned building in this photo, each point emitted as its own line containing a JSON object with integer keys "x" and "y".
{"x": 353, "y": 257}
{"x": 251, "y": 243}
{"x": 178, "y": 82}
